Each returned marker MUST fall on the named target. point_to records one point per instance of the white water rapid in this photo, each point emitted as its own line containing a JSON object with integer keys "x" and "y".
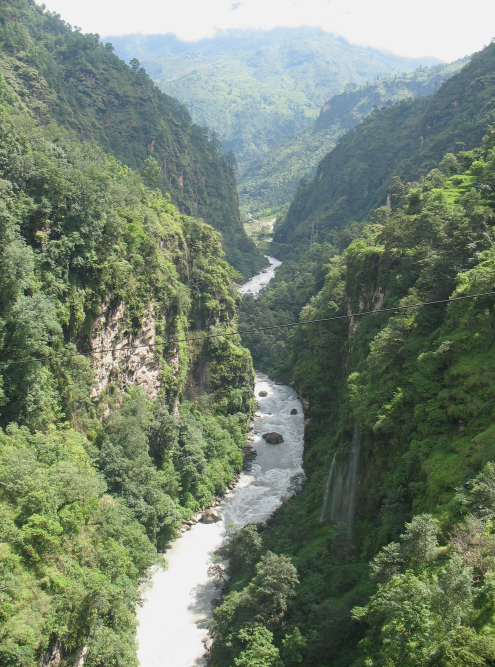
{"x": 258, "y": 281}
{"x": 176, "y": 610}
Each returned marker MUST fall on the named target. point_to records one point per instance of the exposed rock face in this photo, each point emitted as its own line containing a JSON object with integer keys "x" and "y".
{"x": 263, "y": 394}
{"x": 272, "y": 438}
{"x": 79, "y": 659}
{"x": 124, "y": 360}
{"x": 211, "y": 516}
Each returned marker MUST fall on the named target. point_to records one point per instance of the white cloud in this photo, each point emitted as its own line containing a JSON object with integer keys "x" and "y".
{"x": 425, "y": 27}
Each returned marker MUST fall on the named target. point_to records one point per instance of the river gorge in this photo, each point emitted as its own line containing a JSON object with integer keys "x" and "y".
{"x": 177, "y": 608}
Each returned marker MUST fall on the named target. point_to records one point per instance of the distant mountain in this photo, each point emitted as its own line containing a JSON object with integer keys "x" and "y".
{"x": 256, "y": 87}
{"x": 62, "y": 75}
{"x": 269, "y": 184}
{"x": 407, "y": 139}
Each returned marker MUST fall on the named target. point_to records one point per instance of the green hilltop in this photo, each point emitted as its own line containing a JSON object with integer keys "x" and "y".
{"x": 61, "y": 75}
{"x": 268, "y": 185}
{"x": 407, "y": 139}
{"x": 255, "y": 87}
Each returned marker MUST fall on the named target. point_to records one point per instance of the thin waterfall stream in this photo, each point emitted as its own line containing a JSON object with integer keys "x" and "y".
{"x": 177, "y": 608}
{"x": 339, "y": 498}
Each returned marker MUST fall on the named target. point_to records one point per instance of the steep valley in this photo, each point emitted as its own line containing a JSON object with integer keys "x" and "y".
{"x": 128, "y": 342}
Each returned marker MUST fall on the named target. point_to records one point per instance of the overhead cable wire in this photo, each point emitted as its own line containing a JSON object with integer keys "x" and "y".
{"x": 247, "y": 331}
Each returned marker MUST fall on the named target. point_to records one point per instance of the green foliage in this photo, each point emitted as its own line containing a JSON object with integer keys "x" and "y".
{"x": 268, "y": 185}
{"x": 246, "y": 620}
{"x": 434, "y": 611}
{"x": 408, "y": 140}
{"x": 92, "y": 481}
{"x": 259, "y": 651}
{"x": 60, "y": 75}
{"x": 255, "y": 87}
{"x": 72, "y": 557}
{"x": 420, "y": 384}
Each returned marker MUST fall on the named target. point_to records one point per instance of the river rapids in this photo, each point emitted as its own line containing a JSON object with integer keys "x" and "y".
{"x": 177, "y": 608}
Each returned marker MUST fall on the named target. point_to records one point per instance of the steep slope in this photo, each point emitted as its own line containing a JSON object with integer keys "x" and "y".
{"x": 408, "y": 140}
{"x": 399, "y": 446}
{"x": 114, "y": 427}
{"x": 255, "y": 87}
{"x": 269, "y": 184}
{"x": 62, "y": 75}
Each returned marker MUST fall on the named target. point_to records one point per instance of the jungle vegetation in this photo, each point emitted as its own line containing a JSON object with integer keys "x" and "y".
{"x": 409, "y": 582}
{"x": 255, "y": 87}
{"x": 268, "y": 185}
{"x": 58, "y": 74}
{"x": 92, "y": 485}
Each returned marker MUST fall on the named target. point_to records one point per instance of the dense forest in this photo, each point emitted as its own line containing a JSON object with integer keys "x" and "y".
{"x": 268, "y": 185}
{"x": 126, "y": 389}
{"x": 61, "y": 75}
{"x": 254, "y": 87}
{"x": 407, "y": 139}
{"x": 400, "y": 572}
{"x": 114, "y": 426}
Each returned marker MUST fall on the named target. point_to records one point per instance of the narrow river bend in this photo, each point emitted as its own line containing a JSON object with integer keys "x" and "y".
{"x": 176, "y": 611}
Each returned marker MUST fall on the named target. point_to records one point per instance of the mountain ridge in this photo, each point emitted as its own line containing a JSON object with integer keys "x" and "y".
{"x": 254, "y": 87}
{"x": 268, "y": 185}
{"x": 62, "y": 75}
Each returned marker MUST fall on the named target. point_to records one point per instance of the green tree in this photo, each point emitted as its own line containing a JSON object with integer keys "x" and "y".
{"x": 150, "y": 171}
{"x": 260, "y": 651}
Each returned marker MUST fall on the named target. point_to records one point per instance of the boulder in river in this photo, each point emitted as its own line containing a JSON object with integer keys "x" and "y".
{"x": 263, "y": 394}
{"x": 293, "y": 411}
{"x": 272, "y": 438}
{"x": 211, "y": 516}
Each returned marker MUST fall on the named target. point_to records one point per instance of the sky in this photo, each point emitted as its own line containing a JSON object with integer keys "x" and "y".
{"x": 445, "y": 29}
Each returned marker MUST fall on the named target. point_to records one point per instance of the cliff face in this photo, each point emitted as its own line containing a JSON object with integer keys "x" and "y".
{"x": 123, "y": 359}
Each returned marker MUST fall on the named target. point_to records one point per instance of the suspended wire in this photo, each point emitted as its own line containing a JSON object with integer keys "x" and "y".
{"x": 245, "y": 331}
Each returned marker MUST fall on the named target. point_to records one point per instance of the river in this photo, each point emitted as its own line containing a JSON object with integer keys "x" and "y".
{"x": 176, "y": 610}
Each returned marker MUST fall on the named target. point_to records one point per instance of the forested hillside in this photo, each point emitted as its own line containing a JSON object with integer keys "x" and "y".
{"x": 114, "y": 427}
{"x": 386, "y": 556}
{"x": 254, "y": 87}
{"x": 268, "y": 185}
{"x": 408, "y": 139}
{"x": 59, "y": 74}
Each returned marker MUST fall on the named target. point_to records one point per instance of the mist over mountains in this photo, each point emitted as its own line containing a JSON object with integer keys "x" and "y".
{"x": 255, "y": 87}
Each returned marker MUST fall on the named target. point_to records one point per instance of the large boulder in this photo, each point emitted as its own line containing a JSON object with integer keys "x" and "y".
{"x": 263, "y": 394}
{"x": 211, "y": 516}
{"x": 293, "y": 411}
{"x": 272, "y": 438}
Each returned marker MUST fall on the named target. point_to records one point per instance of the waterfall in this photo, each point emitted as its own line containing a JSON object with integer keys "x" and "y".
{"x": 339, "y": 498}
{"x": 198, "y": 323}
{"x": 326, "y": 495}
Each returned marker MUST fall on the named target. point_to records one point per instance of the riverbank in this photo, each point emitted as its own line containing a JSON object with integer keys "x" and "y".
{"x": 177, "y": 608}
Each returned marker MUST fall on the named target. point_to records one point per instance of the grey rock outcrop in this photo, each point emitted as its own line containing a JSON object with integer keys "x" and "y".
{"x": 273, "y": 438}
{"x": 211, "y": 516}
